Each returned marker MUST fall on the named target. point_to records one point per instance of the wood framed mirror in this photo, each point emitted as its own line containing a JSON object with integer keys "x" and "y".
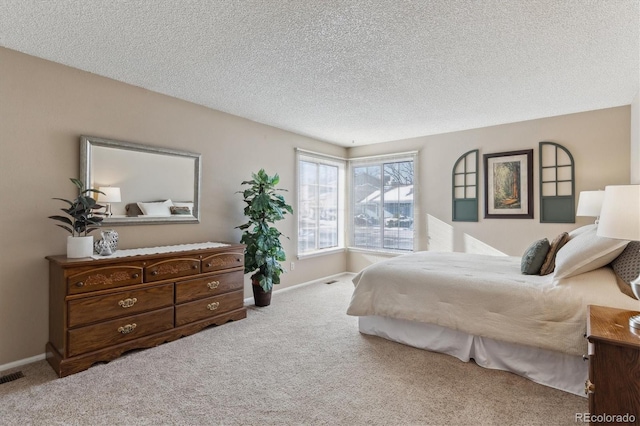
{"x": 157, "y": 185}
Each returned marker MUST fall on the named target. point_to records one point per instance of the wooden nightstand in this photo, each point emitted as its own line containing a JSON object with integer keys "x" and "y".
{"x": 614, "y": 365}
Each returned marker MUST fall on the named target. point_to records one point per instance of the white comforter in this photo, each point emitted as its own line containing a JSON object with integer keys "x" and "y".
{"x": 486, "y": 296}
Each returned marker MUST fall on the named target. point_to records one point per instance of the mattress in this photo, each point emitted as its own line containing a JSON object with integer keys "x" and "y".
{"x": 486, "y": 296}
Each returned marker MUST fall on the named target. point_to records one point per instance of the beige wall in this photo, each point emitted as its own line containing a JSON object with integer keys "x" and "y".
{"x": 45, "y": 107}
{"x": 598, "y": 141}
{"x": 635, "y": 139}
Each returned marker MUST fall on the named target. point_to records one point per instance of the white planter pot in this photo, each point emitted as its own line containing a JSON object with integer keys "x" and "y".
{"x": 79, "y": 247}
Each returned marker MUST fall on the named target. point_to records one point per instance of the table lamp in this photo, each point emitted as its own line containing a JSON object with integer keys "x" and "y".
{"x": 590, "y": 203}
{"x": 111, "y": 194}
{"x": 620, "y": 218}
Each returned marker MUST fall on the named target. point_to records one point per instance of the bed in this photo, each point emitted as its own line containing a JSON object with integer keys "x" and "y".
{"x": 482, "y": 307}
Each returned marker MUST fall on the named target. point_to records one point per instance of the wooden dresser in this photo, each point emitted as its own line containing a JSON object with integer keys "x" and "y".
{"x": 100, "y": 308}
{"x": 614, "y": 367}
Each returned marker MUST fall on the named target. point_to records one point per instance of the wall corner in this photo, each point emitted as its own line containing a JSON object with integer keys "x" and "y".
{"x": 635, "y": 140}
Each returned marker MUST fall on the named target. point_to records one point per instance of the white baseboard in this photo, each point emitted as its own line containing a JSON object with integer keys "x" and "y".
{"x": 248, "y": 301}
{"x": 21, "y": 362}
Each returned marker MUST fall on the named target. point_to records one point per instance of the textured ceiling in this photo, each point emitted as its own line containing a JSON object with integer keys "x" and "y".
{"x": 350, "y": 72}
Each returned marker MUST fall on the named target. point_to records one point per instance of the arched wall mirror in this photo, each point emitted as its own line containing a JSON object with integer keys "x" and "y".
{"x": 146, "y": 184}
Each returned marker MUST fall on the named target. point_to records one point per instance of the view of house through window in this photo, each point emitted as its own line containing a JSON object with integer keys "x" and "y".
{"x": 382, "y": 203}
{"x": 320, "y": 203}
{"x": 382, "y": 197}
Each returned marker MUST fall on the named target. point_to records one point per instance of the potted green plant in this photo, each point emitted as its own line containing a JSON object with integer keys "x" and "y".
{"x": 263, "y": 252}
{"x": 81, "y": 219}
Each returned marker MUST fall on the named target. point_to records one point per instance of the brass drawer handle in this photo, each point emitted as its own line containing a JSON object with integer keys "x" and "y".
{"x": 135, "y": 276}
{"x": 589, "y": 387}
{"x": 154, "y": 272}
{"x": 194, "y": 267}
{"x": 127, "y": 303}
{"x": 208, "y": 265}
{"x": 213, "y": 306}
{"x": 213, "y": 285}
{"x": 79, "y": 284}
{"x": 127, "y": 328}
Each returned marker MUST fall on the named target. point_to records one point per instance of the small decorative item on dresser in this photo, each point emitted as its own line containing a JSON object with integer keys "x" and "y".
{"x": 102, "y": 247}
{"x": 264, "y": 251}
{"x": 108, "y": 244}
{"x": 82, "y": 219}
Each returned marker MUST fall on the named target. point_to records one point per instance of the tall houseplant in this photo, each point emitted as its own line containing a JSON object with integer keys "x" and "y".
{"x": 80, "y": 220}
{"x": 264, "y": 252}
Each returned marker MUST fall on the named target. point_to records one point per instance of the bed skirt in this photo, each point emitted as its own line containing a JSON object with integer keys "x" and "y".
{"x": 554, "y": 369}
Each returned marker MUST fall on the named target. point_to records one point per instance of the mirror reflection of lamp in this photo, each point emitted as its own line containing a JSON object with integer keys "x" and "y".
{"x": 620, "y": 218}
{"x": 111, "y": 195}
{"x": 590, "y": 204}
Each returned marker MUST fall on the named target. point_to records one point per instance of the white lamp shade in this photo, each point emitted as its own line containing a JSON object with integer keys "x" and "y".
{"x": 620, "y": 215}
{"x": 590, "y": 203}
{"x": 111, "y": 194}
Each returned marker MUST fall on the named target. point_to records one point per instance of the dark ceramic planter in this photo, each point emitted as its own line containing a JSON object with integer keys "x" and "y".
{"x": 261, "y": 297}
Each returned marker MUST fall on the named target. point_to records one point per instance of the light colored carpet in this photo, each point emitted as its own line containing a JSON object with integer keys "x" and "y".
{"x": 299, "y": 361}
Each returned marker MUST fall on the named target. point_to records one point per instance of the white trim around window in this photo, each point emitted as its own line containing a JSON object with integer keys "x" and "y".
{"x": 320, "y": 199}
{"x": 383, "y": 204}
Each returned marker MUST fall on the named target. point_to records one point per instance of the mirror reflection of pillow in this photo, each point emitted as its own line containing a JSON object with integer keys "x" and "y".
{"x": 162, "y": 208}
{"x": 133, "y": 210}
{"x": 188, "y": 205}
{"x": 180, "y": 210}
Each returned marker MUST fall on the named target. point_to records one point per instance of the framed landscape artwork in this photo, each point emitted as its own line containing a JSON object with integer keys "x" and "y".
{"x": 508, "y": 185}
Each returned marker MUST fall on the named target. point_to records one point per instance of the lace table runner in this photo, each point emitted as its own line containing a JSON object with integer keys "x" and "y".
{"x": 160, "y": 249}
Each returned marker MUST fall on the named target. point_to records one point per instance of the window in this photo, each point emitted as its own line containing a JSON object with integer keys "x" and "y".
{"x": 382, "y": 202}
{"x": 320, "y": 203}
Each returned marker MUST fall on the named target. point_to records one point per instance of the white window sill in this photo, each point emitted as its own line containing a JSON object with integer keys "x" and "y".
{"x": 381, "y": 252}
{"x": 324, "y": 252}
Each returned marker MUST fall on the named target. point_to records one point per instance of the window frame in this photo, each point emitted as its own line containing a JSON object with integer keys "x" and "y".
{"x": 328, "y": 160}
{"x": 381, "y": 161}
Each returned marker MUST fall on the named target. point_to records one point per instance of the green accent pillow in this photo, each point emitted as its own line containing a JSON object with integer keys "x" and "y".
{"x": 534, "y": 257}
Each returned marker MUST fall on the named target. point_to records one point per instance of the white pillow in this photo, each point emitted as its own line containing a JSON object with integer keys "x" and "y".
{"x": 581, "y": 230}
{"x": 156, "y": 209}
{"x": 190, "y": 205}
{"x": 586, "y": 252}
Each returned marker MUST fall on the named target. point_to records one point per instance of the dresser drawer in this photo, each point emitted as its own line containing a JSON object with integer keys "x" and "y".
{"x": 103, "y": 278}
{"x": 98, "y": 308}
{"x": 209, "y": 307}
{"x": 221, "y": 261}
{"x": 171, "y": 268}
{"x": 209, "y": 286}
{"x": 94, "y": 337}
